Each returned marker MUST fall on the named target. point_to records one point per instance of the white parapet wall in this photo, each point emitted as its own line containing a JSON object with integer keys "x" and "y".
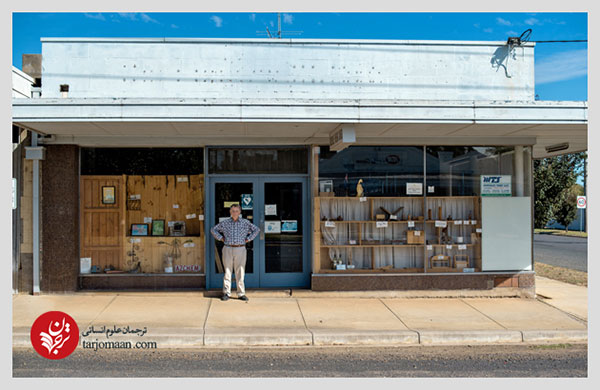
{"x": 21, "y": 84}
{"x": 287, "y": 68}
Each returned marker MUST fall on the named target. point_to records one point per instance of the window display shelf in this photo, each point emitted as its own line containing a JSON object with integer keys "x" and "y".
{"x": 389, "y": 221}
{"x": 372, "y": 245}
{"x": 453, "y": 245}
{"x": 401, "y": 247}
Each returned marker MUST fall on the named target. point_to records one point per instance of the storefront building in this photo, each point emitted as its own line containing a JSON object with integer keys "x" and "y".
{"x": 368, "y": 165}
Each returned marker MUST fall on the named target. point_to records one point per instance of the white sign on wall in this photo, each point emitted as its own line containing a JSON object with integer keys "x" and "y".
{"x": 495, "y": 185}
{"x": 581, "y": 202}
{"x": 414, "y": 188}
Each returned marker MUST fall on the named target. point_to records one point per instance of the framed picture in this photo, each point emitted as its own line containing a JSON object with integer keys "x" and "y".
{"x": 139, "y": 229}
{"x": 108, "y": 194}
{"x": 158, "y": 227}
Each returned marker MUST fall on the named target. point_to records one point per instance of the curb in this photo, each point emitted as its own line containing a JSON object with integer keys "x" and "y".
{"x": 391, "y": 337}
{"x": 252, "y": 337}
{"x": 535, "y": 336}
{"x": 323, "y": 337}
{"x": 442, "y": 337}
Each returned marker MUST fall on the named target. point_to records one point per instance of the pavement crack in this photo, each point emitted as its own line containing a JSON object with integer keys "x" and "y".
{"x": 312, "y": 336}
{"x": 205, "y": 321}
{"x": 395, "y": 315}
{"x": 103, "y": 310}
{"x": 571, "y": 315}
{"x": 483, "y": 314}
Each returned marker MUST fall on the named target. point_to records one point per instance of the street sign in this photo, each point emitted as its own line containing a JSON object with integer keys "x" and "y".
{"x": 581, "y": 202}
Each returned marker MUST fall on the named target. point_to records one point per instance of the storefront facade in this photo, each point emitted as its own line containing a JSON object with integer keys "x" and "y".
{"x": 368, "y": 165}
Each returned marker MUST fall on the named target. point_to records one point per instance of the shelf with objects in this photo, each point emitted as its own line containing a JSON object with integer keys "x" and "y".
{"x": 453, "y": 234}
{"x": 143, "y": 224}
{"x": 370, "y": 234}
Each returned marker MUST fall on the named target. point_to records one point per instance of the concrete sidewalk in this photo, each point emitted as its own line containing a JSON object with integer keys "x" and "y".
{"x": 567, "y": 297}
{"x": 191, "y": 319}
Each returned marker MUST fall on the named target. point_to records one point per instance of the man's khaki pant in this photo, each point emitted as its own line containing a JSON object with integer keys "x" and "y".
{"x": 234, "y": 258}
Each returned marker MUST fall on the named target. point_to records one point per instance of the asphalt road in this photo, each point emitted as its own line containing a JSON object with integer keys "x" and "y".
{"x": 340, "y": 361}
{"x": 562, "y": 251}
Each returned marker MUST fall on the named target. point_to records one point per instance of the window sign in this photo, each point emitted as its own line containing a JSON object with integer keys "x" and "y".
{"x": 247, "y": 200}
{"x": 495, "y": 185}
{"x": 414, "y": 188}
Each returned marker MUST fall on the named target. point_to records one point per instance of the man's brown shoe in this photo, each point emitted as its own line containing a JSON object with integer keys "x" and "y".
{"x": 243, "y": 298}
{"x": 225, "y": 297}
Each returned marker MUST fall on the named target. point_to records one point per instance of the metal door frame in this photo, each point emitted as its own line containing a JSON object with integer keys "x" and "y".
{"x": 287, "y": 279}
{"x": 259, "y": 278}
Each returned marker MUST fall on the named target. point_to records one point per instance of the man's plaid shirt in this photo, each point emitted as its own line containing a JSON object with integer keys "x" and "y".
{"x": 235, "y": 232}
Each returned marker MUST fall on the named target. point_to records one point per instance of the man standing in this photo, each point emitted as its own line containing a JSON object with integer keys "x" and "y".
{"x": 235, "y": 232}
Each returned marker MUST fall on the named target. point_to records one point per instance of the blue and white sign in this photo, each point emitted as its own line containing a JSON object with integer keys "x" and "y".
{"x": 496, "y": 185}
{"x": 272, "y": 226}
{"x": 289, "y": 226}
{"x": 247, "y": 200}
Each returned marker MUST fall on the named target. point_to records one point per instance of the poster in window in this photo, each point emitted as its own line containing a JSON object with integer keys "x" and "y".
{"x": 495, "y": 185}
{"x": 414, "y": 188}
{"x": 272, "y": 227}
{"x": 271, "y": 209}
{"x": 247, "y": 200}
{"x": 289, "y": 226}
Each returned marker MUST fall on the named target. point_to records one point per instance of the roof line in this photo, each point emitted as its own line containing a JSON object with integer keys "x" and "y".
{"x": 283, "y": 41}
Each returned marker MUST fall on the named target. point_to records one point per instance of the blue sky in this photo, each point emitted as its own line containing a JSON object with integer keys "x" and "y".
{"x": 561, "y": 68}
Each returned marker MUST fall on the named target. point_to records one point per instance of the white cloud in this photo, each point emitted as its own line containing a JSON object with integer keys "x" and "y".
{"x": 128, "y": 15}
{"x": 488, "y": 30}
{"x": 174, "y": 26}
{"x": 97, "y": 16}
{"x": 287, "y": 18}
{"x": 503, "y": 22}
{"x": 561, "y": 66}
{"x": 513, "y": 33}
{"x": 252, "y": 17}
{"x": 272, "y": 24}
{"x": 147, "y": 18}
{"x": 134, "y": 17}
{"x": 218, "y": 21}
{"x": 532, "y": 22}
{"x": 554, "y": 21}
{"x": 476, "y": 25}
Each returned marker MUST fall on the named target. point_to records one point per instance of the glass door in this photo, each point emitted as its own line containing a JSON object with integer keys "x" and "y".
{"x": 279, "y": 256}
{"x": 284, "y": 233}
{"x": 225, "y": 192}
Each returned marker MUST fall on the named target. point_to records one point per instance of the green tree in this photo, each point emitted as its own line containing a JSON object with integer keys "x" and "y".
{"x": 553, "y": 179}
{"x": 566, "y": 210}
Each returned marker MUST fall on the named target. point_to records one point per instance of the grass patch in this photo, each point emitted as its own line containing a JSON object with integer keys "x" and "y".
{"x": 558, "y": 232}
{"x": 562, "y": 274}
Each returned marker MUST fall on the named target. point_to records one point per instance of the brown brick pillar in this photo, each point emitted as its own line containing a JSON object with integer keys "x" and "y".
{"x": 59, "y": 265}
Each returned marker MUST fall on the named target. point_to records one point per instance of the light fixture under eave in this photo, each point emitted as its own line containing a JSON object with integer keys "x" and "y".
{"x": 557, "y": 147}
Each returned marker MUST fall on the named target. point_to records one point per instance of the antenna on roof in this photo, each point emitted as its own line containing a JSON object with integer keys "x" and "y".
{"x": 279, "y": 32}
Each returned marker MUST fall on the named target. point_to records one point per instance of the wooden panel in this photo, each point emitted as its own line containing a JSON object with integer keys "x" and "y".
{"x": 105, "y": 229}
{"x": 159, "y": 193}
{"x": 100, "y": 224}
{"x": 150, "y": 253}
